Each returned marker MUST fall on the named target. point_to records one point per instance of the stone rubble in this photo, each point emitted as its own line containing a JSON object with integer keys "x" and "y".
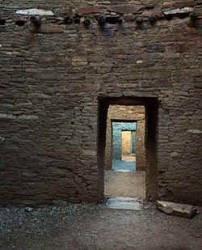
{"x": 182, "y": 210}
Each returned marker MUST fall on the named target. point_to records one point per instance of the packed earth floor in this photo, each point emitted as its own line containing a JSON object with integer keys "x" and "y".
{"x": 69, "y": 227}
{"x": 125, "y": 184}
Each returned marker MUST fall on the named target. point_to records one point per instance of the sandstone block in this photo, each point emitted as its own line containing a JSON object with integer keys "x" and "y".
{"x": 182, "y": 210}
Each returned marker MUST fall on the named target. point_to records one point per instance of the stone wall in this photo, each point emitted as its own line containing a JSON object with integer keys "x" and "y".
{"x": 126, "y": 113}
{"x": 51, "y": 81}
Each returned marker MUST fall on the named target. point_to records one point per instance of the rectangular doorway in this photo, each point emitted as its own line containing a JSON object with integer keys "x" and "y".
{"x": 128, "y": 141}
{"x": 140, "y": 143}
{"x": 123, "y": 178}
{"x": 123, "y": 144}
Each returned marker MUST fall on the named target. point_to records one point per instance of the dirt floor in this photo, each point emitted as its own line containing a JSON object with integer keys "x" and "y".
{"x": 125, "y": 184}
{"x": 123, "y": 165}
{"x": 69, "y": 227}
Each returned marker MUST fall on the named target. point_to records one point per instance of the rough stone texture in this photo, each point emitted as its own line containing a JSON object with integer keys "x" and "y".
{"x": 49, "y": 89}
{"x": 182, "y": 210}
{"x": 127, "y": 113}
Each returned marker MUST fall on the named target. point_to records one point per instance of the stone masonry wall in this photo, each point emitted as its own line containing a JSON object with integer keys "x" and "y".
{"x": 127, "y": 113}
{"x": 52, "y": 72}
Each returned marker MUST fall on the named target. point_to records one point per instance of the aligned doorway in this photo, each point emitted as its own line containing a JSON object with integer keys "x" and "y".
{"x": 124, "y": 171}
{"x": 127, "y": 147}
{"x": 123, "y": 145}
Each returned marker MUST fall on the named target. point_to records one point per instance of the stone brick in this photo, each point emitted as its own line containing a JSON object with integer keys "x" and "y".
{"x": 124, "y": 8}
{"x": 54, "y": 88}
{"x": 179, "y": 4}
{"x": 90, "y": 10}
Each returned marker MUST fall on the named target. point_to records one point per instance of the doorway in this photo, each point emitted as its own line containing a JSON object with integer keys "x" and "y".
{"x": 123, "y": 144}
{"x": 144, "y": 148}
{"x": 128, "y": 145}
{"x": 123, "y": 178}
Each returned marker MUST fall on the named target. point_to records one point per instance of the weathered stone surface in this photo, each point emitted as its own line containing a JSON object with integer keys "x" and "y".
{"x": 124, "y": 203}
{"x": 79, "y": 61}
{"x": 179, "y": 4}
{"x": 51, "y": 28}
{"x": 182, "y": 210}
{"x": 174, "y": 154}
{"x": 124, "y": 9}
{"x": 129, "y": 17}
{"x": 178, "y": 11}
{"x": 23, "y": 117}
{"x": 90, "y": 10}
{"x": 198, "y": 11}
{"x": 51, "y": 90}
{"x": 29, "y": 209}
{"x": 37, "y": 12}
{"x": 194, "y": 131}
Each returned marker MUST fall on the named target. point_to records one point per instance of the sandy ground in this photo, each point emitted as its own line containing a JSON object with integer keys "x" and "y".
{"x": 129, "y": 184}
{"x": 69, "y": 227}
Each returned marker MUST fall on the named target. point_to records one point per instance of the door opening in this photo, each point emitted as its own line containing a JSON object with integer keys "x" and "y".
{"x": 133, "y": 143}
{"x": 125, "y": 177}
{"x": 123, "y": 145}
{"x": 128, "y": 145}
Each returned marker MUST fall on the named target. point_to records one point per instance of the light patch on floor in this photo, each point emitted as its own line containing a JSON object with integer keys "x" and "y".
{"x": 123, "y": 165}
{"x": 128, "y": 158}
{"x": 124, "y": 203}
{"x": 125, "y": 184}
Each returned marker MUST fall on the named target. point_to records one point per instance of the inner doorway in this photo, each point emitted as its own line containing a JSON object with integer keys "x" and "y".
{"x": 104, "y": 154}
{"x": 128, "y": 145}
{"x": 125, "y": 164}
{"x": 123, "y": 145}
